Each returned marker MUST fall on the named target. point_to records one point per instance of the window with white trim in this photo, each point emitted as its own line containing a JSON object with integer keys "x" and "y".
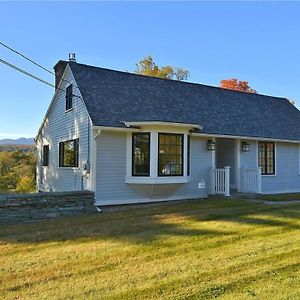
{"x": 170, "y": 154}
{"x": 141, "y": 154}
{"x": 69, "y": 97}
{"x": 45, "y": 155}
{"x": 69, "y": 153}
{"x": 266, "y": 157}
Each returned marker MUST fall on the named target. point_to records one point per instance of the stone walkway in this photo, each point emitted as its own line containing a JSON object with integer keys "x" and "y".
{"x": 269, "y": 202}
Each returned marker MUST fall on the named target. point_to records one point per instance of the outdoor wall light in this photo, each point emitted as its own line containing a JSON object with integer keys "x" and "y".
{"x": 245, "y": 147}
{"x": 211, "y": 145}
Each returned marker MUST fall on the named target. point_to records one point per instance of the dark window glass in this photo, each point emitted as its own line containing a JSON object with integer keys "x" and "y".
{"x": 170, "y": 154}
{"x": 266, "y": 157}
{"x": 141, "y": 154}
{"x": 69, "y": 153}
{"x": 69, "y": 97}
{"x": 45, "y": 155}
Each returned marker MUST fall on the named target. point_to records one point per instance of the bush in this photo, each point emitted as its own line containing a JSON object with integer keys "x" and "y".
{"x": 26, "y": 185}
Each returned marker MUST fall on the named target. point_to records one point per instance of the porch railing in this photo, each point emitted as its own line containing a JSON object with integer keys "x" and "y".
{"x": 220, "y": 181}
{"x": 250, "y": 180}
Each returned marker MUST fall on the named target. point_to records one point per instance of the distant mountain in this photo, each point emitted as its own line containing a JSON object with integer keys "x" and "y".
{"x": 20, "y": 141}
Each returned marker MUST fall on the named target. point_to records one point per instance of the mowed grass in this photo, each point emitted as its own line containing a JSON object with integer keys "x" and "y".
{"x": 280, "y": 197}
{"x": 231, "y": 249}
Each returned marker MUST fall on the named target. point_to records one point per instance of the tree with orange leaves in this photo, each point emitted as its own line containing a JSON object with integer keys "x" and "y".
{"x": 237, "y": 85}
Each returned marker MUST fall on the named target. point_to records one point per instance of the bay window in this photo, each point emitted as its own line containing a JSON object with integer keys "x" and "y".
{"x": 170, "y": 154}
{"x": 141, "y": 154}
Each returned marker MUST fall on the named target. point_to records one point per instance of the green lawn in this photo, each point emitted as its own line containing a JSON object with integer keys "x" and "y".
{"x": 222, "y": 248}
{"x": 281, "y": 197}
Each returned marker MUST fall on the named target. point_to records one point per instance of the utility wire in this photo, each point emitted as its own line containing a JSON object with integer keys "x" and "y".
{"x": 26, "y": 73}
{"x": 32, "y": 61}
{"x": 41, "y": 80}
{"x": 27, "y": 58}
{"x": 32, "y": 76}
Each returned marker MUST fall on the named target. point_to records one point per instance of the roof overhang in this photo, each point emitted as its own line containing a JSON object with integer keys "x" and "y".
{"x": 160, "y": 123}
{"x": 245, "y": 137}
{"x": 136, "y": 126}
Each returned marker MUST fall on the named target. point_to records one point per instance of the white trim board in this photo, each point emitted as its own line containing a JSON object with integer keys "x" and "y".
{"x": 209, "y": 135}
{"x": 245, "y": 137}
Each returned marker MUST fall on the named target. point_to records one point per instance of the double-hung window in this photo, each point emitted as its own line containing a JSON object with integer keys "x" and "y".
{"x": 266, "y": 157}
{"x": 45, "y": 155}
{"x": 69, "y": 153}
{"x": 170, "y": 154}
{"x": 69, "y": 97}
{"x": 141, "y": 154}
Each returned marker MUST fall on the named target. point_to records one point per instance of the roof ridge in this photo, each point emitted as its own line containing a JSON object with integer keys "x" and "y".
{"x": 177, "y": 81}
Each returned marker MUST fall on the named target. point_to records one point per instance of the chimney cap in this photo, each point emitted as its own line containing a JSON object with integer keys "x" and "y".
{"x": 72, "y": 57}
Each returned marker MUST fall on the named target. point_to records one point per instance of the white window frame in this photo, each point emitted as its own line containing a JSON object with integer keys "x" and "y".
{"x": 275, "y": 158}
{"x": 154, "y": 178}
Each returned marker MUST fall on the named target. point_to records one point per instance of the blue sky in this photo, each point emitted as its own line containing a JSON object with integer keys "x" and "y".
{"x": 254, "y": 41}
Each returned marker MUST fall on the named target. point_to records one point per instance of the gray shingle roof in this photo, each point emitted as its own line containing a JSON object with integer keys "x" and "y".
{"x": 114, "y": 96}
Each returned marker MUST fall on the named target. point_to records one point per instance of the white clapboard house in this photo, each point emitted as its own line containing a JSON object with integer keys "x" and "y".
{"x": 132, "y": 138}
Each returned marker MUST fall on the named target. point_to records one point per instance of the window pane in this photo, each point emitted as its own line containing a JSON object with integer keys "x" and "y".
{"x": 45, "y": 155}
{"x": 170, "y": 154}
{"x": 69, "y": 95}
{"x": 141, "y": 154}
{"x": 266, "y": 157}
{"x": 68, "y": 153}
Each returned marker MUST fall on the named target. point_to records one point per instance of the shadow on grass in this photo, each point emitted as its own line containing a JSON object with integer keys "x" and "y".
{"x": 213, "y": 290}
{"x": 144, "y": 223}
{"x": 256, "y": 214}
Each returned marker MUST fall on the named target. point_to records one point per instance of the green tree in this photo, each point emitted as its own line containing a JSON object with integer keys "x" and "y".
{"x": 26, "y": 184}
{"x": 148, "y": 67}
{"x": 8, "y": 183}
{"x": 17, "y": 172}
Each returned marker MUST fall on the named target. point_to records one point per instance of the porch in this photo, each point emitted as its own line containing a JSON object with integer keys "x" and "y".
{"x": 227, "y": 174}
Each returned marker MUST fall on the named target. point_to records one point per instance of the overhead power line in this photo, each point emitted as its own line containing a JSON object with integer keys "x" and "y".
{"x": 35, "y": 63}
{"x": 33, "y": 76}
{"x": 26, "y": 73}
{"x": 26, "y": 57}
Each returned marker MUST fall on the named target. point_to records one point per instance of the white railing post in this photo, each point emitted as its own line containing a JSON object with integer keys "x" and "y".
{"x": 227, "y": 181}
{"x": 258, "y": 180}
{"x": 213, "y": 182}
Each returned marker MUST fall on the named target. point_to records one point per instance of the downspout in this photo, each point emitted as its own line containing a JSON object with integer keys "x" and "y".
{"x": 94, "y": 158}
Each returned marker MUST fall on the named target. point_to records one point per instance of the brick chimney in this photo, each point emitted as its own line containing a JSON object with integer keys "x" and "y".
{"x": 59, "y": 69}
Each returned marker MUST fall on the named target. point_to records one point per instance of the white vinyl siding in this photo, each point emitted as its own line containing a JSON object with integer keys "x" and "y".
{"x": 111, "y": 187}
{"x": 61, "y": 126}
{"x": 286, "y": 179}
{"x": 249, "y": 159}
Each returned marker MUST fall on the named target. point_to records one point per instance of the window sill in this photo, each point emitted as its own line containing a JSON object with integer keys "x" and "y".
{"x": 68, "y": 110}
{"x": 157, "y": 180}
